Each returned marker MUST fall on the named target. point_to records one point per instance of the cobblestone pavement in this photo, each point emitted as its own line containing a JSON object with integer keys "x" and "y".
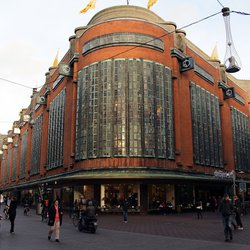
{"x": 175, "y": 231}
{"x": 184, "y": 225}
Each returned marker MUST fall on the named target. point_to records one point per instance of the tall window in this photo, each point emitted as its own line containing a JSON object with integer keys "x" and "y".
{"x": 121, "y": 39}
{"x": 3, "y": 169}
{"x": 106, "y": 110}
{"x": 56, "y": 131}
{"x": 9, "y": 165}
{"x": 207, "y": 137}
{"x": 241, "y": 140}
{"x": 14, "y": 163}
{"x": 23, "y": 155}
{"x": 36, "y": 145}
{"x": 124, "y": 108}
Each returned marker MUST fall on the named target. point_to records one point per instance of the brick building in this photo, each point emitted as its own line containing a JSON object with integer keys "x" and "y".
{"x": 134, "y": 109}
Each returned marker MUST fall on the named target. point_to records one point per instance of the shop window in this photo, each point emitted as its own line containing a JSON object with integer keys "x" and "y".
{"x": 113, "y": 194}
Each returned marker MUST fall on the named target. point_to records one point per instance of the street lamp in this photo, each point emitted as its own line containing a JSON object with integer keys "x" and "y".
{"x": 234, "y": 178}
{"x": 242, "y": 187}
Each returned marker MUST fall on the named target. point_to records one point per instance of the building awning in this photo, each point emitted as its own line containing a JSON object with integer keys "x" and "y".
{"x": 119, "y": 174}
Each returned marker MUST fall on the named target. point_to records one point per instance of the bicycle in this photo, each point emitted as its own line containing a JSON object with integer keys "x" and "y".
{"x": 45, "y": 215}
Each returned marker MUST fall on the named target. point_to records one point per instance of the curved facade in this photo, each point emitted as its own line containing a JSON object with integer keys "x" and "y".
{"x": 133, "y": 110}
{"x": 124, "y": 109}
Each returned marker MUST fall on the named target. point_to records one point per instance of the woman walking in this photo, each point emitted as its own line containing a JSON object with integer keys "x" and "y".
{"x": 55, "y": 220}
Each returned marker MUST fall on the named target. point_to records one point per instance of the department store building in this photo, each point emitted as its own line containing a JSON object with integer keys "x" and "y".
{"x": 136, "y": 110}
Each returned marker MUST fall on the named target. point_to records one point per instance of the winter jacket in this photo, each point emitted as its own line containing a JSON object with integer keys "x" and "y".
{"x": 12, "y": 209}
{"x": 226, "y": 208}
{"x": 52, "y": 215}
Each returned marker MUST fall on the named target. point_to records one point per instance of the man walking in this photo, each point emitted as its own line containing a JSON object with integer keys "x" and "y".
{"x": 12, "y": 213}
{"x": 226, "y": 209}
{"x": 237, "y": 210}
{"x": 124, "y": 207}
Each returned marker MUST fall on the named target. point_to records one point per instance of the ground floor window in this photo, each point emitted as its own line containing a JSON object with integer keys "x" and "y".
{"x": 185, "y": 196}
{"x": 160, "y": 195}
{"x": 112, "y": 194}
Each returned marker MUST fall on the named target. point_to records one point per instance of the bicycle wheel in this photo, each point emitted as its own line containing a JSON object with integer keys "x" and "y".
{"x": 75, "y": 220}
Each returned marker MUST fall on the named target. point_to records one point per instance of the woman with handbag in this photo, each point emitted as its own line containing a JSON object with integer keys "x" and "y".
{"x": 55, "y": 220}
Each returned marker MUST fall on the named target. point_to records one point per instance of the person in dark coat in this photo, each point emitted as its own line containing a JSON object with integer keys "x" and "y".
{"x": 90, "y": 211}
{"x": 12, "y": 213}
{"x": 124, "y": 207}
{"x": 199, "y": 209}
{"x": 237, "y": 211}
{"x": 226, "y": 210}
{"x": 55, "y": 220}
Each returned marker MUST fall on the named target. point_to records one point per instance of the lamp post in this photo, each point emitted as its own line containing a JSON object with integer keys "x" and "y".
{"x": 232, "y": 175}
{"x": 234, "y": 184}
{"x": 242, "y": 186}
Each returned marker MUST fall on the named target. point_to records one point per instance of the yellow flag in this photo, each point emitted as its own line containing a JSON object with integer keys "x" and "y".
{"x": 90, "y": 6}
{"x": 55, "y": 63}
{"x": 214, "y": 55}
{"x": 151, "y": 3}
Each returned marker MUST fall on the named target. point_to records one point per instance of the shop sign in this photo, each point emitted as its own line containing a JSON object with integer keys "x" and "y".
{"x": 226, "y": 175}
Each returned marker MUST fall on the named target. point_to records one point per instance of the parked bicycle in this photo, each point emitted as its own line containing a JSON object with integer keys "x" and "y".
{"x": 45, "y": 214}
{"x": 75, "y": 218}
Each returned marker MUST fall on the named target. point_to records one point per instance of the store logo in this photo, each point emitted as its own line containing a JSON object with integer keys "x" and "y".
{"x": 229, "y": 93}
{"x": 186, "y": 64}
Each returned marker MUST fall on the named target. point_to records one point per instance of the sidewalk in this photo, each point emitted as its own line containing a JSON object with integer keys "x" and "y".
{"x": 147, "y": 232}
{"x": 185, "y": 225}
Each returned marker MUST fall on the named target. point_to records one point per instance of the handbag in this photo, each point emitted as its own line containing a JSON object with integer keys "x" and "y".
{"x": 51, "y": 222}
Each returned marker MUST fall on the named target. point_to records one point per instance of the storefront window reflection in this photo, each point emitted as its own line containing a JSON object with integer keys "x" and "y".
{"x": 111, "y": 196}
{"x": 161, "y": 195}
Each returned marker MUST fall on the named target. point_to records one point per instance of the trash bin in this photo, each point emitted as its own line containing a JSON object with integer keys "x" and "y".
{"x": 39, "y": 208}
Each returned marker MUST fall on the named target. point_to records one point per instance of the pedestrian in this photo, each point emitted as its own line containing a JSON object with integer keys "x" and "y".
{"x": 226, "y": 209}
{"x": 237, "y": 211}
{"x": 55, "y": 220}
{"x": 90, "y": 211}
{"x": 12, "y": 213}
{"x": 213, "y": 204}
{"x": 124, "y": 207}
{"x": 199, "y": 209}
{"x": 82, "y": 204}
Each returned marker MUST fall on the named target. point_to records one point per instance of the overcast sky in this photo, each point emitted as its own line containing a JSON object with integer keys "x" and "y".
{"x": 32, "y": 31}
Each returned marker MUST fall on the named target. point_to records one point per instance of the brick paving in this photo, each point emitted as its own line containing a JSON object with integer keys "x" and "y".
{"x": 147, "y": 232}
{"x": 185, "y": 225}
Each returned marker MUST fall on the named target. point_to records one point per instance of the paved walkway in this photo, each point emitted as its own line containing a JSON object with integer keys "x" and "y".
{"x": 184, "y": 225}
{"x": 175, "y": 231}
